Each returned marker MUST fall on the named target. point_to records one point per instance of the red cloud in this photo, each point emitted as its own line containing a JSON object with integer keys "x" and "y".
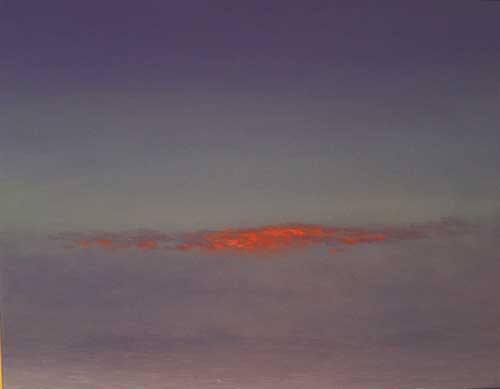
{"x": 269, "y": 238}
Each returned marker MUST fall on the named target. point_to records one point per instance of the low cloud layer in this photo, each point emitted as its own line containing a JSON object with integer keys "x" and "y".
{"x": 423, "y": 308}
{"x": 270, "y": 238}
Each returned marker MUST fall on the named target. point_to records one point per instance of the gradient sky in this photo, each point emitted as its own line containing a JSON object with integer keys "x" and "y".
{"x": 186, "y": 118}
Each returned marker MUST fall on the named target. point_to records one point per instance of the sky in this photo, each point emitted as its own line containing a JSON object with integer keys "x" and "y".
{"x": 250, "y": 194}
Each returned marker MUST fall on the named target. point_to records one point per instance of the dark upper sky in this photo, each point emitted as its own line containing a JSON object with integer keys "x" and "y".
{"x": 181, "y": 116}
{"x": 278, "y": 41}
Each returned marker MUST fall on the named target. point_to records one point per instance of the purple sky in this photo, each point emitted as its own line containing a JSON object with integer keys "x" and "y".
{"x": 187, "y": 116}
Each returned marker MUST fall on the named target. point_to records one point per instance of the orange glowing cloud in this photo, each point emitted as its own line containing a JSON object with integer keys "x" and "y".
{"x": 147, "y": 244}
{"x": 269, "y": 238}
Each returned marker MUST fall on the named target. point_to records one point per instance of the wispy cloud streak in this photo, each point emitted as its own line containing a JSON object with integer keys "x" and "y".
{"x": 269, "y": 238}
